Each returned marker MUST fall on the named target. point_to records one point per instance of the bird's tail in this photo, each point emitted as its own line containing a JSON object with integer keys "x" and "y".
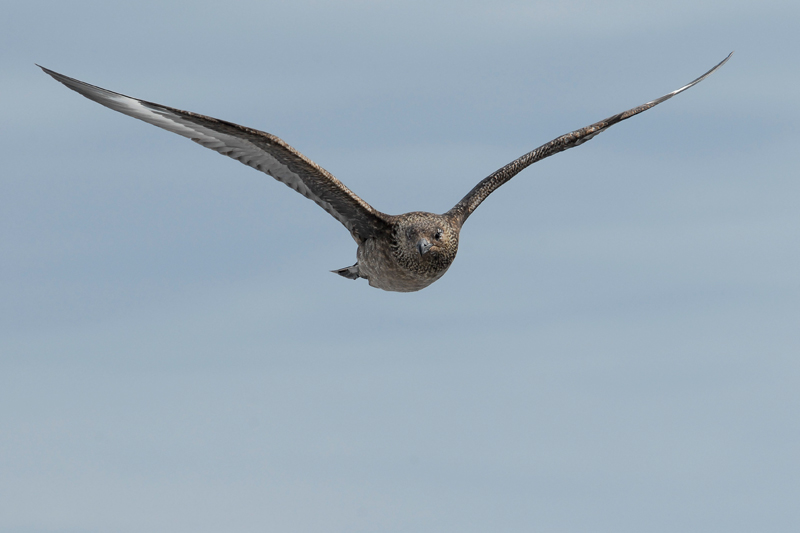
{"x": 350, "y": 272}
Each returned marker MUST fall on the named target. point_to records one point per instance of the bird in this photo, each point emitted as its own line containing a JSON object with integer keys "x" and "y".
{"x": 402, "y": 253}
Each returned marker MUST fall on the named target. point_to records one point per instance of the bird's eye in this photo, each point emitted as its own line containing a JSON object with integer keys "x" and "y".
{"x": 438, "y": 235}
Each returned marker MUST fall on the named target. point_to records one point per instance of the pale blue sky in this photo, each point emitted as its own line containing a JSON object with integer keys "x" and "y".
{"x": 616, "y": 347}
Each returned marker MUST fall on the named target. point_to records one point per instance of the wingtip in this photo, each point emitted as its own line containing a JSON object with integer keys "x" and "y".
{"x": 51, "y": 73}
{"x": 719, "y": 64}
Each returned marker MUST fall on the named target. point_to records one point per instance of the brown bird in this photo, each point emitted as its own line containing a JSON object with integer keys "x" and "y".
{"x": 402, "y": 253}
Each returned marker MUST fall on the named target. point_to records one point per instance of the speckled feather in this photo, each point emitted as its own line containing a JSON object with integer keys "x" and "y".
{"x": 402, "y": 253}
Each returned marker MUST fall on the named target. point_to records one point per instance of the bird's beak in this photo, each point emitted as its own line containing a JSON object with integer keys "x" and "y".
{"x": 423, "y": 246}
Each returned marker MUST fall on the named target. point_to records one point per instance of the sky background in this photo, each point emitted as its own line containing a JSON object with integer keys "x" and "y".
{"x": 615, "y": 349}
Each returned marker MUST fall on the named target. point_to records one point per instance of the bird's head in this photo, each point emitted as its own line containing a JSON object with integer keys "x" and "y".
{"x": 425, "y": 242}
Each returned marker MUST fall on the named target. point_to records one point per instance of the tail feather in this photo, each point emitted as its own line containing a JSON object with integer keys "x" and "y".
{"x": 350, "y": 272}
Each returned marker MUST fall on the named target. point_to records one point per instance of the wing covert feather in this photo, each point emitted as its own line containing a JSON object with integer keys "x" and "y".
{"x": 464, "y": 208}
{"x": 260, "y": 150}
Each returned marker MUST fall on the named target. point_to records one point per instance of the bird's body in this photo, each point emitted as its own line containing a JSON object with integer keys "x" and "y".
{"x": 402, "y": 253}
{"x": 417, "y": 250}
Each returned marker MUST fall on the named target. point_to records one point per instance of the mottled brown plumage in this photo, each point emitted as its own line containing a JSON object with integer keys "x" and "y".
{"x": 417, "y": 251}
{"x": 401, "y": 253}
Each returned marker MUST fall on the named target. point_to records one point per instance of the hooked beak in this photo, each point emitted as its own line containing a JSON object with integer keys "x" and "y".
{"x": 423, "y": 246}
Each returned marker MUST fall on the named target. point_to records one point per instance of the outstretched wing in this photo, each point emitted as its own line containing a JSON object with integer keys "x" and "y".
{"x": 478, "y": 194}
{"x": 260, "y": 150}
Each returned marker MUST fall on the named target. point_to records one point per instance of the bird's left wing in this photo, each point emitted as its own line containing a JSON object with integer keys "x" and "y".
{"x": 258, "y": 149}
{"x": 478, "y": 194}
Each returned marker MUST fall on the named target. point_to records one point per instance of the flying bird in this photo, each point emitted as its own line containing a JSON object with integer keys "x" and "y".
{"x": 403, "y": 253}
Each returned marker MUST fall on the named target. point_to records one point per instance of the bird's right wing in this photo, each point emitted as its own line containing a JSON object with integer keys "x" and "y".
{"x": 258, "y": 149}
{"x": 478, "y": 194}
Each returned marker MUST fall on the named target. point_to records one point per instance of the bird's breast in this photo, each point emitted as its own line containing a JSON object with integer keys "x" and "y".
{"x": 378, "y": 262}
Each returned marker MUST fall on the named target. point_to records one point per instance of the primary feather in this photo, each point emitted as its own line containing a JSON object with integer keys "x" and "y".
{"x": 257, "y": 149}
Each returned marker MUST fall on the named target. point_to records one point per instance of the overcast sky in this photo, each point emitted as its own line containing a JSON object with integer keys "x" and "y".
{"x": 615, "y": 349}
